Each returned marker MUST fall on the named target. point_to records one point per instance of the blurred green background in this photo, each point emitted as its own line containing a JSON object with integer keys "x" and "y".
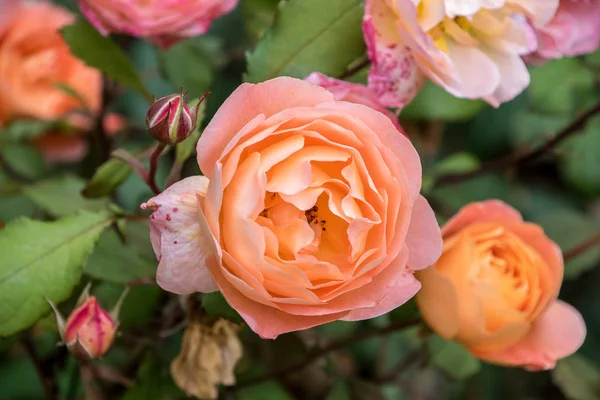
{"x": 260, "y": 40}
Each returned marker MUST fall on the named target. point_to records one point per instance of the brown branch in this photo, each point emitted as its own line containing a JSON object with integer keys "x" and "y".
{"x": 102, "y": 140}
{"x": 317, "y": 353}
{"x": 44, "y": 372}
{"x": 414, "y": 357}
{"x": 154, "y": 167}
{"x": 582, "y": 248}
{"x": 351, "y": 71}
{"x": 519, "y": 158}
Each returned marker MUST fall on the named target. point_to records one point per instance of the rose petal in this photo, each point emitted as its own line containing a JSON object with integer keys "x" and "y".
{"x": 248, "y": 101}
{"x": 557, "y": 333}
{"x": 481, "y": 212}
{"x": 180, "y": 238}
{"x": 423, "y": 239}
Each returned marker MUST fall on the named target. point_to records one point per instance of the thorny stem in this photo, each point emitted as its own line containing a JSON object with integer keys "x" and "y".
{"x": 317, "y": 353}
{"x": 154, "y": 166}
{"x": 45, "y": 374}
{"x": 582, "y": 248}
{"x": 518, "y": 158}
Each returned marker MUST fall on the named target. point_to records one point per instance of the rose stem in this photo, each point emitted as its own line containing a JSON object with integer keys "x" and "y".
{"x": 518, "y": 158}
{"x": 154, "y": 166}
{"x": 317, "y": 353}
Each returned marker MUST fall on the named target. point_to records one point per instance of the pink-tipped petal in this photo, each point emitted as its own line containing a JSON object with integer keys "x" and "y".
{"x": 482, "y": 212}
{"x": 180, "y": 237}
{"x": 423, "y": 239}
{"x": 557, "y": 333}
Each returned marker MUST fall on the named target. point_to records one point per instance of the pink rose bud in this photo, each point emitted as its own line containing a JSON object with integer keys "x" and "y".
{"x": 170, "y": 120}
{"x": 89, "y": 330}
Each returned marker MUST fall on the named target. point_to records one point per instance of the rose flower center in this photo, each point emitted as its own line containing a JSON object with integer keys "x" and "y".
{"x": 509, "y": 270}
{"x": 468, "y": 30}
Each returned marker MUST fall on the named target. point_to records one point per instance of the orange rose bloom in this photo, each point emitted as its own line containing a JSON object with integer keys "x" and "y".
{"x": 34, "y": 59}
{"x": 495, "y": 288}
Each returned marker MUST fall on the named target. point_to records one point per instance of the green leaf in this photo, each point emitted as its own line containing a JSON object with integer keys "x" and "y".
{"x": 579, "y": 160}
{"x": 270, "y": 390}
{"x": 477, "y": 189}
{"x": 258, "y": 16}
{"x": 578, "y": 378}
{"x": 456, "y": 163}
{"x": 19, "y": 380}
{"x": 24, "y": 159}
{"x": 215, "y": 305}
{"x": 115, "y": 262}
{"x": 61, "y": 196}
{"x": 191, "y": 64}
{"x": 569, "y": 228}
{"x": 153, "y": 383}
{"x": 184, "y": 150}
{"x": 107, "y": 178}
{"x": 100, "y": 52}
{"x": 308, "y": 36}
{"x": 42, "y": 260}
{"x": 558, "y": 86}
{"x": 339, "y": 391}
{"x": 452, "y": 358}
{"x": 405, "y": 312}
{"x": 28, "y": 129}
{"x": 141, "y": 303}
{"x": 434, "y": 103}
{"x": 532, "y": 128}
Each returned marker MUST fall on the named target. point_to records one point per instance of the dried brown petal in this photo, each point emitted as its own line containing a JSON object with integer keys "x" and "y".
{"x": 208, "y": 358}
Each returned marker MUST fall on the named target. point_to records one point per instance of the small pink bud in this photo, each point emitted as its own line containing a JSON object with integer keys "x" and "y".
{"x": 170, "y": 120}
{"x": 90, "y": 330}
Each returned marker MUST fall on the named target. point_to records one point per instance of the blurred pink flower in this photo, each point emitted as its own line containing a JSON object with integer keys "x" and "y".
{"x": 163, "y": 22}
{"x": 574, "y": 30}
{"x": 472, "y": 48}
{"x": 353, "y": 93}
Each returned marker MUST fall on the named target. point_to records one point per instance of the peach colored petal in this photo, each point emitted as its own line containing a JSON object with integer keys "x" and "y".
{"x": 438, "y": 302}
{"x": 249, "y": 101}
{"x": 179, "y": 237}
{"x": 396, "y": 293}
{"x": 389, "y": 136}
{"x": 549, "y": 251}
{"x": 423, "y": 239}
{"x": 481, "y": 212}
{"x": 556, "y": 334}
{"x": 268, "y": 322}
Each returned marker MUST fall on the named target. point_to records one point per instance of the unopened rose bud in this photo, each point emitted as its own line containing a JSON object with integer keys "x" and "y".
{"x": 170, "y": 120}
{"x": 90, "y": 330}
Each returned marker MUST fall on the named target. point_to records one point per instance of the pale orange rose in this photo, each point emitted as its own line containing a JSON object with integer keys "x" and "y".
{"x": 495, "y": 288}
{"x": 34, "y": 59}
{"x": 309, "y": 211}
